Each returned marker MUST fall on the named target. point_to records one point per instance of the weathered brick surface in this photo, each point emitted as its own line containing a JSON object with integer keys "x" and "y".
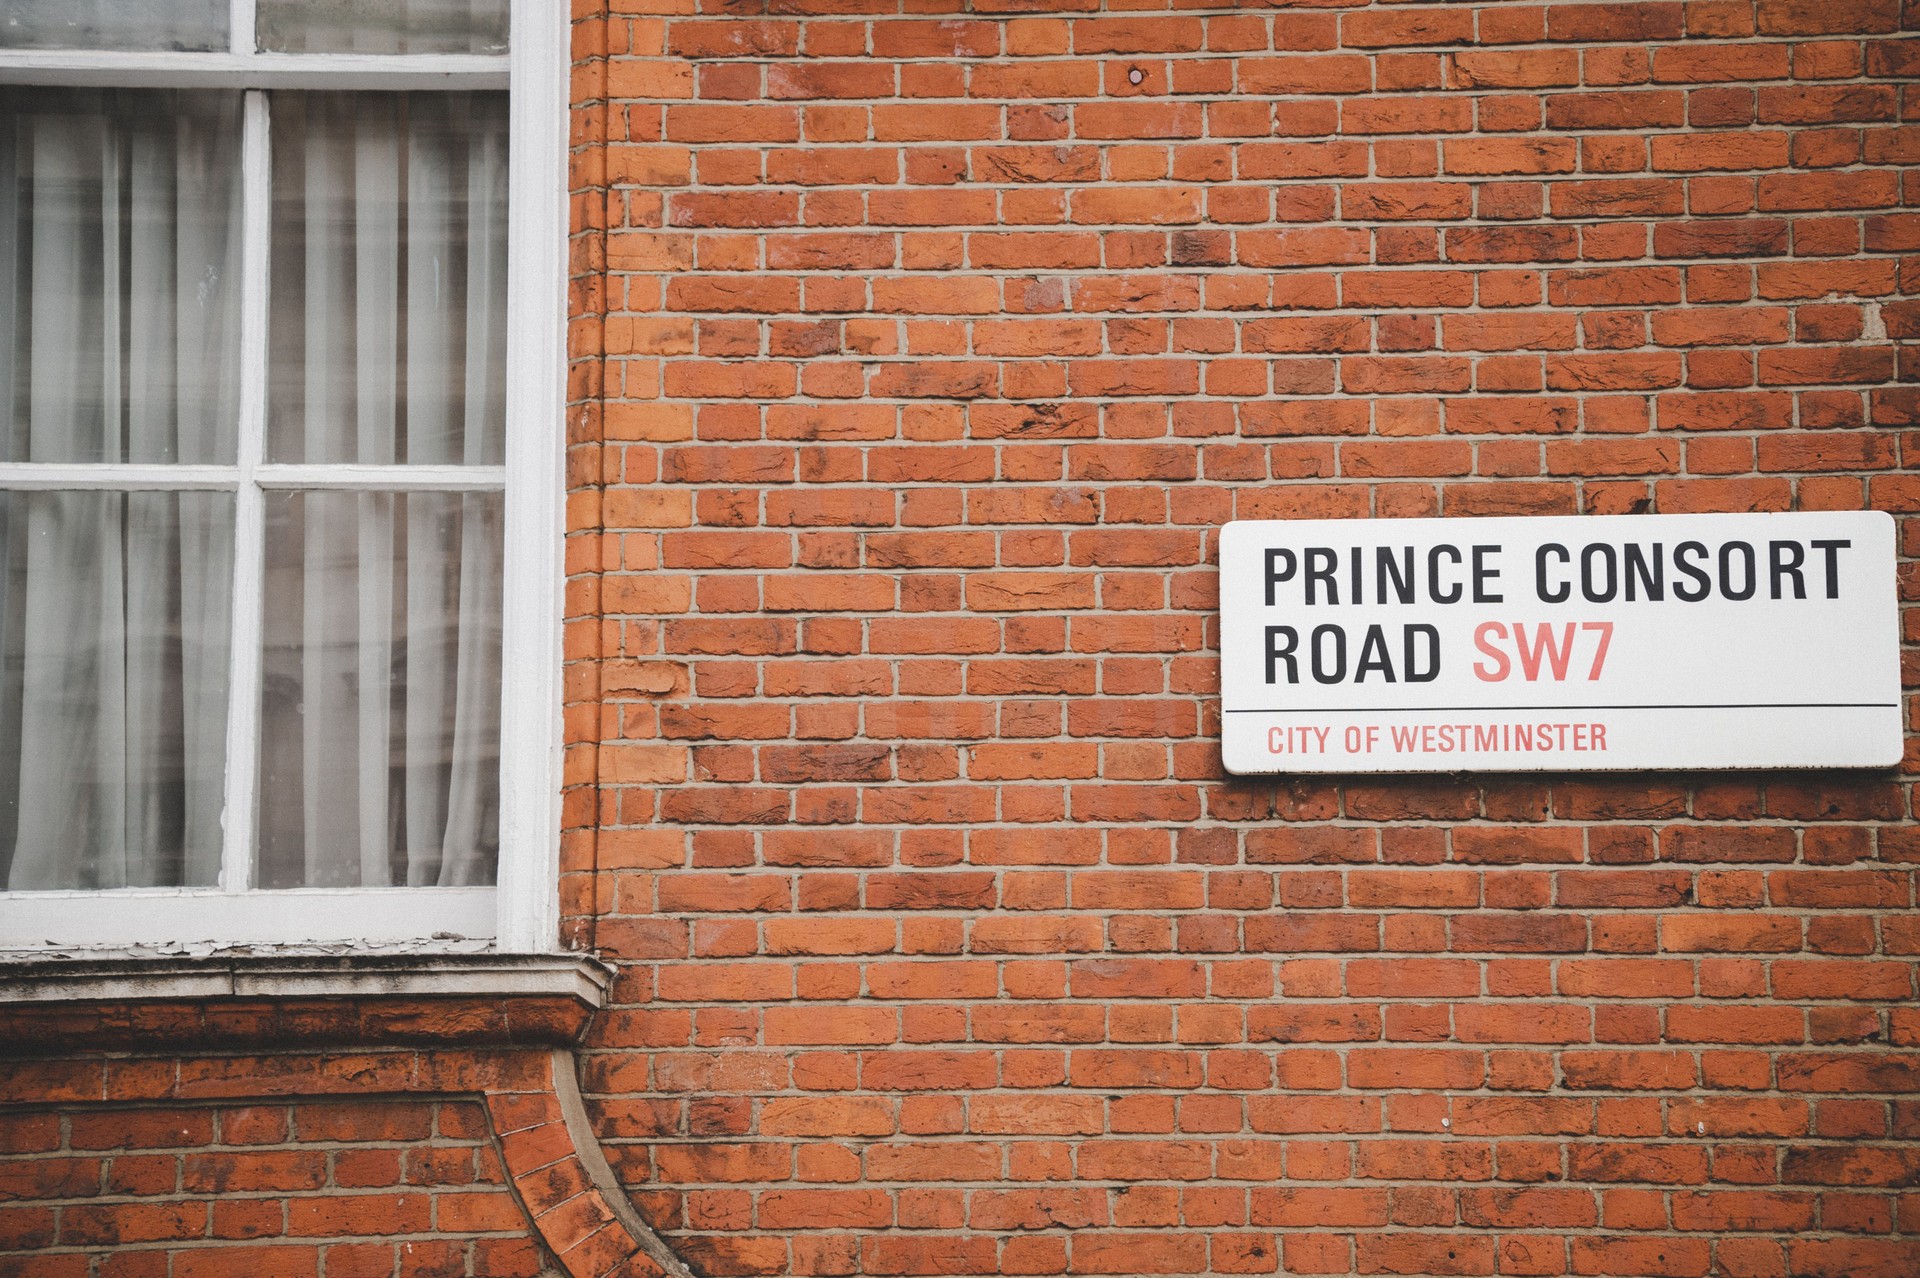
{"x": 497, "y": 1174}
{"x": 346, "y": 1188}
{"x": 921, "y": 348}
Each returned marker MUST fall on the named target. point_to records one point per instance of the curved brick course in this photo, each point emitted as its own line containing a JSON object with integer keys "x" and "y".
{"x": 233, "y": 1124}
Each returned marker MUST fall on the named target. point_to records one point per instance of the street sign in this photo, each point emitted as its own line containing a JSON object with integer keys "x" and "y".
{"x": 1563, "y": 644}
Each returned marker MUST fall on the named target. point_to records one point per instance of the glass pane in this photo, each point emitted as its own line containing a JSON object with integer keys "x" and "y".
{"x": 380, "y": 725}
{"x": 114, "y": 610}
{"x": 389, "y": 276}
{"x": 198, "y": 25}
{"x": 383, "y": 26}
{"x": 119, "y": 275}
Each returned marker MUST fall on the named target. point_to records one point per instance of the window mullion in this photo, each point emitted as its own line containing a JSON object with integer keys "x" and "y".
{"x": 240, "y": 23}
{"x": 114, "y": 476}
{"x": 399, "y": 477}
{"x": 229, "y": 70}
{"x": 249, "y": 557}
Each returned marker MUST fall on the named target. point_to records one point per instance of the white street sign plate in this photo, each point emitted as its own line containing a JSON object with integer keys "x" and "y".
{"x": 1564, "y": 644}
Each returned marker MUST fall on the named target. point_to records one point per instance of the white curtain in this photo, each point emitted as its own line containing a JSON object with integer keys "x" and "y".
{"x": 118, "y": 296}
{"x": 380, "y": 733}
{"x": 114, "y": 24}
{"x": 379, "y": 740}
{"x": 383, "y": 26}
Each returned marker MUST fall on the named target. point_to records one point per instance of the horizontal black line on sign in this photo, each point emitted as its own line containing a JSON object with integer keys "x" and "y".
{"x": 1731, "y": 705}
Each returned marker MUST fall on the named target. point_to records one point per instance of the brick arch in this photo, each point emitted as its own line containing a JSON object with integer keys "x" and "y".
{"x": 554, "y": 1165}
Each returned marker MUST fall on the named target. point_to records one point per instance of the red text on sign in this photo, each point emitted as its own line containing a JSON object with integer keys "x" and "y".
{"x": 1537, "y": 648}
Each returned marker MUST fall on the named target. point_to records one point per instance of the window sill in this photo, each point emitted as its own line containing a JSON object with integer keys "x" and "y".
{"x": 295, "y": 1000}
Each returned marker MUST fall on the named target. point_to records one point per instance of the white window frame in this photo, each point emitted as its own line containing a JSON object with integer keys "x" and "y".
{"x": 521, "y": 914}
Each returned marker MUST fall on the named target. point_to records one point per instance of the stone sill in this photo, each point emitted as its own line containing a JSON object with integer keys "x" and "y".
{"x": 298, "y": 1000}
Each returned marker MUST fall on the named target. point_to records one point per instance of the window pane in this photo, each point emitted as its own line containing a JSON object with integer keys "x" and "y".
{"x": 198, "y": 25}
{"x": 114, "y": 610}
{"x": 119, "y": 275}
{"x": 383, "y": 26}
{"x": 380, "y": 726}
{"x": 389, "y": 278}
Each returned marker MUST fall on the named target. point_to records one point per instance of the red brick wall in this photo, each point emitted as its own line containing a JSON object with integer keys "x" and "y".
{"x": 919, "y": 355}
{"x": 348, "y": 1189}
